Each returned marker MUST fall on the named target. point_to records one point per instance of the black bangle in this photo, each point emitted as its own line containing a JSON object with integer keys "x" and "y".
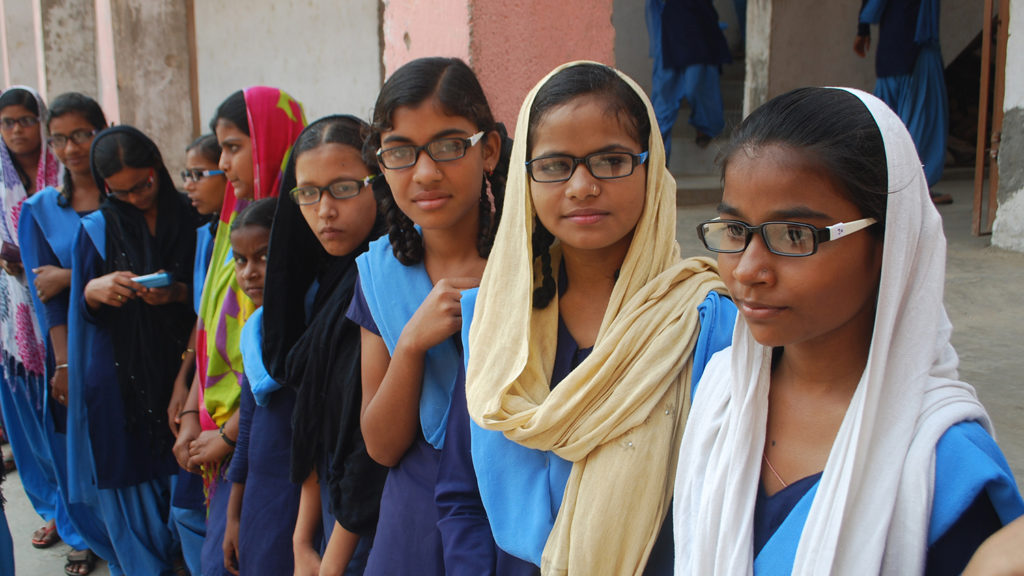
{"x": 183, "y": 412}
{"x": 224, "y": 437}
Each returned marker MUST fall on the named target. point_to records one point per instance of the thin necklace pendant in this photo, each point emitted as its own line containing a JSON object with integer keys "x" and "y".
{"x": 772, "y": 468}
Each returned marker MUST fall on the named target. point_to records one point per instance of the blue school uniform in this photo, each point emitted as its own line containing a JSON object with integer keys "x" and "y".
{"x": 262, "y": 454}
{"x": 407, "y": 540}
{"x": 975, "y": 495}
{"x": 46, "y": 232}
{"x": 911, "y": 75}
{"x": 687, "y": 64}
{"x": 130, "y": 482}
{"x": 515, "y": 492}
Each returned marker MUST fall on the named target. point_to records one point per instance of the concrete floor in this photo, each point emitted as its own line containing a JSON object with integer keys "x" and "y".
{"x": 983, "y": 297}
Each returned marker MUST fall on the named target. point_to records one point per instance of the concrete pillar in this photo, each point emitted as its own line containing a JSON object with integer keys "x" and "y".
{"x": 151, "y": 60}
{"x": 20, "y": 50}
{"x": 511, "y": 44}
{"x": 781, "y": 35}
{"x": 1008, "y": 228}
{"x": 69, "y": 46}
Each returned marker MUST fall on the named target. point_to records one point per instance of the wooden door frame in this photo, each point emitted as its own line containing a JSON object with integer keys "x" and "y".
{"x": 983, "y": 213}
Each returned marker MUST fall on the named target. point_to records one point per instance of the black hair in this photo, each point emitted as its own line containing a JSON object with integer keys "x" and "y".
{"x": 620, "y": 100}
{"x": 114, "y": 151}
{"x": 90, "y": 111}
{"x": 259, "y": 213}
{"x": 233, "y": 110}
{"x": 337, "y": 129}
{"x": 21, "y": 97}
{"x": 456, "y": 89}
{"x": 835, "y": 130}
{"x": 207, "y": 147}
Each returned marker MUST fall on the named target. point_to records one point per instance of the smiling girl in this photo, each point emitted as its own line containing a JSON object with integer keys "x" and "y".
{"x": 125, "y": 345}
{"x": 834, "y": 435}
{"x": 440, "y": 150}
{"x": 46, "y": 230}
{"x": 586, "y": 334}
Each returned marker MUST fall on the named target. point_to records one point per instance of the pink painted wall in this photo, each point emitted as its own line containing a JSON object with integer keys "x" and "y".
{"x": 515, "y": 43}
{"x": 417, "y": 28}
{"x": 511, "y": 44}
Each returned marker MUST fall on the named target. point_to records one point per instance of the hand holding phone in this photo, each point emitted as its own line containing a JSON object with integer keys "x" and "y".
{"x": 154, "y": 280}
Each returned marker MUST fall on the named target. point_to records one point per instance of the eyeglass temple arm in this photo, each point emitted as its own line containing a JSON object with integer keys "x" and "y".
{"x": 838, "y": 230}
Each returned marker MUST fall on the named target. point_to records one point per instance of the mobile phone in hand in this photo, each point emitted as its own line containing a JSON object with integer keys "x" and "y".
{"x": 154, "y": 280}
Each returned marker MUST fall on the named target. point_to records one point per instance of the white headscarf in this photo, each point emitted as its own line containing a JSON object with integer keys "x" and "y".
{"x": 873, "y": 503}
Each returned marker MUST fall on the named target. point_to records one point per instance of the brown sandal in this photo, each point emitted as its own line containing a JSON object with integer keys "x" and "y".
{"x": 79, "y": 559}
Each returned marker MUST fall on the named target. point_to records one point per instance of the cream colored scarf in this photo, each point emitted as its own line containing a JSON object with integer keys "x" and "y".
{"x": 619, "y": 416}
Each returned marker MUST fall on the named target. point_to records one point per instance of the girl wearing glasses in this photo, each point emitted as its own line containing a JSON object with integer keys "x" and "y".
{"x": 125, "y": 342}
{"x": 834, "y": 436}
{"x": 46, "y": 228}
{"x": 255, "y": 129}
{"x": 440, "y": 151}
{"x": 587, "y": 331}
{"x": 329, "y": 217}
{"x": 26, "y": 166}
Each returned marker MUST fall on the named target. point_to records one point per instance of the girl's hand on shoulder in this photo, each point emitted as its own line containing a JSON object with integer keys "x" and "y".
{"x": 112, "y": 289}
{"x": 208, "y": 448}
{"x": 438, "y": 317}
{"x": 51, "y": 281}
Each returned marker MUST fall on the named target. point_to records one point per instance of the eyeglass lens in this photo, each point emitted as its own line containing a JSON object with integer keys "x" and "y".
{"x": 24, "y": 121}
{"x": 602, "y": 165}
{"x": 440, "y": 150}
{"x": 791, "y": 238}
{"x": 78, "y": 137}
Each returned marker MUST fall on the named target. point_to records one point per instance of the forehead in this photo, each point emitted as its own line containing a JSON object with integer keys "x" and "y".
{"x": 127, "y": 177}
{"x": 67, "y": 123}
{"x": 424, "y": 121}
{"x": 250, "y": 238}
{"x": 764, "y": 181}
{"x": 560, "y": 124}
{"x": 226, "y": 129}
{"x": 15, "y": 111}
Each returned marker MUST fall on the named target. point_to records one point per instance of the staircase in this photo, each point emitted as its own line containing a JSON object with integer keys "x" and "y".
{"x": 698, "y": 176}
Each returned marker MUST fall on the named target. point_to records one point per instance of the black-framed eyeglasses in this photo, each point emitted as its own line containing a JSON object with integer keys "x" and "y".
{"x": 339, "y": 190}
{"x": 78, "y": 137}
{"x": 601, "y": 165}
{"x": 782, "y": 238}
{"x": 195, "y": 174}
{"x": 440, "y": 150}
{"x": 24, "y": 122}
{"x": 134, "y": 189}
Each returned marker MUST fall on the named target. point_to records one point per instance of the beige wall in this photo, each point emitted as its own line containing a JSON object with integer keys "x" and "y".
{"x": 21, "y": 60}
{"x": 69, "y": 46}
{"x": 324, "y": 53}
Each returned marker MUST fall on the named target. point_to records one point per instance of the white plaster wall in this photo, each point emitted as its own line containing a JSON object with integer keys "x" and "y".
{"x": 1008, "y": 228}
{"x": 324, "y": 53}
{"x": 1014, "y": 96}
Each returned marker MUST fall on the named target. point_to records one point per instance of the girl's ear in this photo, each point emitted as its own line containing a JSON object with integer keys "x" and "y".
{"x": 491, "y": 149}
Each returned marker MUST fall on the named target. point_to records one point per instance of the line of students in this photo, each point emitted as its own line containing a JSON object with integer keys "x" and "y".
{"x": 503, "y": 382}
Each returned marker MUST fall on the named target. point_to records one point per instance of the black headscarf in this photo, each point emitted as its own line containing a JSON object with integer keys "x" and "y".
{"x": 321, "y": 361}
{"x": 148, "y": 340}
